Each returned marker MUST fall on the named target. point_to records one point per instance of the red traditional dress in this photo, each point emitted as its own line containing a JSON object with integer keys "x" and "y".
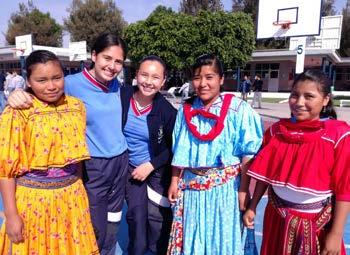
{"x": 307, "y": 164}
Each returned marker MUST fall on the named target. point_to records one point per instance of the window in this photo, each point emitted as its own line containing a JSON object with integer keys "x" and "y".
{"x": 274, "y": 74}
{"x": 339, "y": 74}
{"x": 347, "y": 75}
{"x": 245, "y": 71}
{"x": 268, "y": 71}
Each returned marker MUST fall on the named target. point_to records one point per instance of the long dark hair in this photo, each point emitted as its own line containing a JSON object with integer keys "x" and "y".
{"x": 324, "y": 86}
{"x": 106, "y": 40}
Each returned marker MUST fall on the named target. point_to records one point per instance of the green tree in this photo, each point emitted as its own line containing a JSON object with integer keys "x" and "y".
{"x": 345, "y": 38}
{"x": 29, "y": 20}
{"x": 229, "y": 35}
{"x": 193, "y": 7}
{"x": 179, "y": 38}
{"x": 328, "y": 8}
{"x": 89, "y": 18}
{"x": 165, "y": 33}
{"x": 247, "y": 6}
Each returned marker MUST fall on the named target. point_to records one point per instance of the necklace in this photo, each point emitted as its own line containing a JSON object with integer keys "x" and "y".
{"x": 219, "y": 120}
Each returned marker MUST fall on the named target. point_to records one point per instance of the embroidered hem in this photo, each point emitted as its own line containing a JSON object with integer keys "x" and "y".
{"x": 301, "y": 233}
{"x": 216, "y": 177}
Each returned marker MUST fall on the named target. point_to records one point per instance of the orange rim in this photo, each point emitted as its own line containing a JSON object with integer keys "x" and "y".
{"x": 284, "y": 24}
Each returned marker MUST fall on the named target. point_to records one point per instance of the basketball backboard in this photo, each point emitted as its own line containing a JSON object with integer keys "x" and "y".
{"x": 288, "y": 18}
{"x": 24, "y": 45}
{"x": 77, "y": 51}
{"x": 329, "y": 37}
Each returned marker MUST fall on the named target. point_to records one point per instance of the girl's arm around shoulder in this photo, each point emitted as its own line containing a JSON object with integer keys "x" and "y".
{"x": 20, "y": 99}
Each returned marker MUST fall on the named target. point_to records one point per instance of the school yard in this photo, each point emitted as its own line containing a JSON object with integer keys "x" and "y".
{"x": 270, "y": 113}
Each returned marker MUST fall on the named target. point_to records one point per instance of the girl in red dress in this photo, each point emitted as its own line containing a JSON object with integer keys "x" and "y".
{"x": 305, "y": 163}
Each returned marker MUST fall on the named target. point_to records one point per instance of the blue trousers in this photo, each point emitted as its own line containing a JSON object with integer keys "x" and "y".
{"x": 149, "y": 224}
{"x": 2, "y": 101}
{"x": 105, "y": 180}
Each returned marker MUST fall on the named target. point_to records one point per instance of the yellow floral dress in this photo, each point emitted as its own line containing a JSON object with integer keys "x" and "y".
{"x": 44, "y": 138}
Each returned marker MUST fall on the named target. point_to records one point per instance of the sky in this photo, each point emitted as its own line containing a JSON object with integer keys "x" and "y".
{"x": 132, "y": 10}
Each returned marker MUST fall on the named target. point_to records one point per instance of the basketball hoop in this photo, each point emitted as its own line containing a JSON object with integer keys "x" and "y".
{"x": 284, "y": 24}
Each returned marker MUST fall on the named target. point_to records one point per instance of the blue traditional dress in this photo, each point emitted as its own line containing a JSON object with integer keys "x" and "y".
{"x": 206, "y": 215}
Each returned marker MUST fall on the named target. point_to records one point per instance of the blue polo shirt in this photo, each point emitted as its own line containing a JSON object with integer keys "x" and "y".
{"x": 103, "y": 113}
{"x": 137, "y": 135}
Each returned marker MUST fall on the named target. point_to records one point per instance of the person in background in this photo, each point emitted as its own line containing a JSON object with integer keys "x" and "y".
{"x": 105, "y": 174}
{"x": 184, "y": 90}
{"x": 148, "y": 121}
{"x": 41, "y": 152}
{"x": 8, "y": 78}
{"x": 2, "y": 94}
{"x": 214, "y": 138}
{"x": 134, "y": 82}
{"x": 15, "y": 81}
{"x": 305, "y": 163}
{"x": 245, "y": 87}
{"x": 257, "y": 88}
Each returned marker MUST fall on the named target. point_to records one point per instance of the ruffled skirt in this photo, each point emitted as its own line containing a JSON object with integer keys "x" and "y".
{"x": 207, "y": 216}
{"x": 56, "y": 222}
{"x": 274, "y": 234}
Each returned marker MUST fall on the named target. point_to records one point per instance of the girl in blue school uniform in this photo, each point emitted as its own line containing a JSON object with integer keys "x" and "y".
{"x": 215, "y": 136}
{"x": 148, "y": 121}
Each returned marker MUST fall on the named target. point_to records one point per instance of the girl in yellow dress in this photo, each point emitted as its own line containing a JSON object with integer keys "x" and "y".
{"x": 41, "y": 150}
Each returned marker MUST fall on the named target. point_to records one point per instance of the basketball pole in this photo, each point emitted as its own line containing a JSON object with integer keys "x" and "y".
{"x": 299, "y": 66}
{"x": 81, "y": 65}
{"x": 23, "y": 63}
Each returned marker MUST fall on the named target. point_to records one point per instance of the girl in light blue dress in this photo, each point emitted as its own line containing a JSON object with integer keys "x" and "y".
{"x": 214, "y": 138}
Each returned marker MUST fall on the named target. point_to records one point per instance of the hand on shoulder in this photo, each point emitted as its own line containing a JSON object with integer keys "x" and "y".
{"x": 20, "y": 99}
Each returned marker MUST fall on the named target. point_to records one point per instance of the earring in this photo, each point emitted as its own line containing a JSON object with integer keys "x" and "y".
{"x": 324, "y": 109}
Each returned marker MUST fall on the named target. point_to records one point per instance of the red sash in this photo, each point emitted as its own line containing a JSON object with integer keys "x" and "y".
{"x": 219, "y": 120}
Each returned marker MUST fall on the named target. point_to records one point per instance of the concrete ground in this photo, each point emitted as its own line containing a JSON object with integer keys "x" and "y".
{"x": 281, "y": 110}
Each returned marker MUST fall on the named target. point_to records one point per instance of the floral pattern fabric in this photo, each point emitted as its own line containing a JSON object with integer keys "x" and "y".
{"x": 47, "y": 138}
{"x": 56, "y": 222}
{"x": 42, "y": 136}
{"x": 215, "y": 178}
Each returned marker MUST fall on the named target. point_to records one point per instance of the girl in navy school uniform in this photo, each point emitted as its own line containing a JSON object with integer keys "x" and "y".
{"x": 148, "y": 121}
